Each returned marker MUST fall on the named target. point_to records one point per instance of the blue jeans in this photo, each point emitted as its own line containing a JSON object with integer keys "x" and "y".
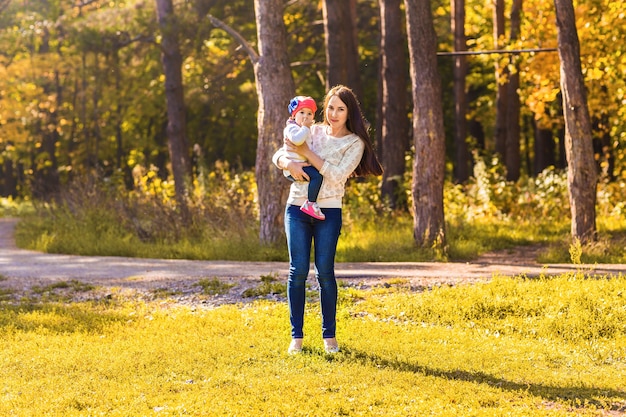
{"x": 302, "y": 231}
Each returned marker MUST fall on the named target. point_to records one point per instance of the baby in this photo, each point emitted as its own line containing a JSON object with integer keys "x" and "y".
{"x": 302, "y": 113}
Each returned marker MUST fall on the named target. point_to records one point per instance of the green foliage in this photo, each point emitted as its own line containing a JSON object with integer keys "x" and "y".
{"x": 270, "y": 285}
{"x": 61, "y": 290}
{"x": 214, "y": 286}
{"x": 6, "y": 293}
{"x": 576, "y": 252}
{"x": 83, "y": 87}
{"x": 10, "y": 207}
{"x": 515, "y": 347}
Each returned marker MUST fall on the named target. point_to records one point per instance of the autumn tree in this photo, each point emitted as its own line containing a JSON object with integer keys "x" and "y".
{"x": 428, "y": 130}
{"x": 342, "y": 52}
{"x": 462, "y": 157}
{"x": 394, "y": 123}
{"x": 501, "y": 80}
{"x": 581, "y": 171}
{"x": 512, "y": 156}
{"x": 174, "y": 92}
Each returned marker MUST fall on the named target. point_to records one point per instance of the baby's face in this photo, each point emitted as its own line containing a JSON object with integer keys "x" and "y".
{"x": 304, "y": 116}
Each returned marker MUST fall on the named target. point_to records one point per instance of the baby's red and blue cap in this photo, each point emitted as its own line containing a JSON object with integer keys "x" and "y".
{"x": 301, "y": 102}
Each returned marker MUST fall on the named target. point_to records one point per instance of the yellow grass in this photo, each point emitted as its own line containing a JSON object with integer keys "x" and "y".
{"x": 482, "y": 350}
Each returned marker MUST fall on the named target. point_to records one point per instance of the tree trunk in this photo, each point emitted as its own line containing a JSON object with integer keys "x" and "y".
{"x": 172, "y": 61}
{"x": 463, "y": 160}
{"x": 9, "y": 180}
{"x": 118, "y": 112}
{"x": 544, "y": 149}
{"x": 428, "y": 130}
{"x": 581, "y": 172}
{"x": 275, "y": 87}
{"x": 603, "y": 147}
{"x": 394, "y": 122}
{"x": 342, "y": 49}
{"x": 499, "y": 133}
{"x": 513, "y": 137}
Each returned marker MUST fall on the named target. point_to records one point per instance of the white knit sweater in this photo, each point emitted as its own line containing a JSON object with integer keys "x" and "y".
{"x": 341, "y": 157}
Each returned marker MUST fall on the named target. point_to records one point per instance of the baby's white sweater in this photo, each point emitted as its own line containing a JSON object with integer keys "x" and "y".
{"x": 298, "y": 135}
{"x": 341, "y": 157}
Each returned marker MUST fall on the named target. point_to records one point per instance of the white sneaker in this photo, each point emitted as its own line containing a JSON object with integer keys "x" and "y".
{"x": 295, "y": 347}
{"x": 330, "y": 345}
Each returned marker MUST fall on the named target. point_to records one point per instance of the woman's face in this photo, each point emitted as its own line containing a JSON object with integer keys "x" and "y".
{"x": 336, "y": 113}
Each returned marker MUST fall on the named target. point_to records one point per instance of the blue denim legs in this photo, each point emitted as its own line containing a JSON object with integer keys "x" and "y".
{"x": 304, "y": 232}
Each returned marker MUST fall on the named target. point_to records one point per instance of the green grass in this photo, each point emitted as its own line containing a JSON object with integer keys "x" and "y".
{"x": 214, "y": 286}
{"x": 511, "y": 347}
{"x": 386, "y": 238}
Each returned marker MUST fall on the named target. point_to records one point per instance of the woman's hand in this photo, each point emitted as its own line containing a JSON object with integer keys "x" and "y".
{"x": 308, "y": 154}
{"x": 296, "y": 171}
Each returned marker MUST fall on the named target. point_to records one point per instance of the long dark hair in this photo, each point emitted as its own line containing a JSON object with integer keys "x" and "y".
{"x": 358, "y": 125}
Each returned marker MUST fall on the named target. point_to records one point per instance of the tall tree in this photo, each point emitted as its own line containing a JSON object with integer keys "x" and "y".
{"x": 462, "y": 157}
{"x": 342, "y": 50}
{"x": 428, "y": 130}
{"x": 172, "y": 61}
{"x": 499, "y": 132}
{"x": 275, "y": 87}
{"x": 581, "y": 171}
{"x": 512, "y": 157}
{"x": 394, "y": 122}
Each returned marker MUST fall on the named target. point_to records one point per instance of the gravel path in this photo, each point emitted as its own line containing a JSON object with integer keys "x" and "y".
{"x": 22, "y": 270}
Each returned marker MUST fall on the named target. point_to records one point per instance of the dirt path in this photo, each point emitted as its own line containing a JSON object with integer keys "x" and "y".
{"x": 22, "y": 270}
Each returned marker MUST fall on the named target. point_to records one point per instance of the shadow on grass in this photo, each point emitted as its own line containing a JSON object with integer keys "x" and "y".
{"x": 575, "y": 396}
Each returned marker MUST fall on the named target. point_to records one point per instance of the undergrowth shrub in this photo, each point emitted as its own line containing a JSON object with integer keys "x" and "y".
{"x": 269, "y": 285}
{"x": 96, "y": 216}
{"x": 221, "y": 202}
{"x": 489, "y": 196}
{"x": 10, "y": 207}
{"x": 102, "y": 217}
{"x": 214, "y": 286}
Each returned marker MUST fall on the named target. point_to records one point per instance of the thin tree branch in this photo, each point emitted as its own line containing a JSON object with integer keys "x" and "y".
{"x": 254, "y": 57}
{"x": 303, "y": 63}
{"x": 497, "y": 51}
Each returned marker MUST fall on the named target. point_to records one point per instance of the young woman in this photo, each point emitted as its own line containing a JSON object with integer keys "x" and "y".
{"x": 340, "y": 148}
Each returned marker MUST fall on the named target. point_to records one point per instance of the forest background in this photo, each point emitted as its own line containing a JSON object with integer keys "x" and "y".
{"x": 83, "y": 103}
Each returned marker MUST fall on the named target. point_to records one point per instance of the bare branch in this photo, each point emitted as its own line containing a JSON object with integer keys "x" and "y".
{"x": 497, "y": 51}
{"x": 254, "y": 56}
{"x": 305, "y": 63}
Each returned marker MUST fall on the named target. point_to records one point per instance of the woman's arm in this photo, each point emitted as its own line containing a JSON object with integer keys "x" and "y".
{"x": 340, "y": 170}
{"x": 282, "y": 161}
